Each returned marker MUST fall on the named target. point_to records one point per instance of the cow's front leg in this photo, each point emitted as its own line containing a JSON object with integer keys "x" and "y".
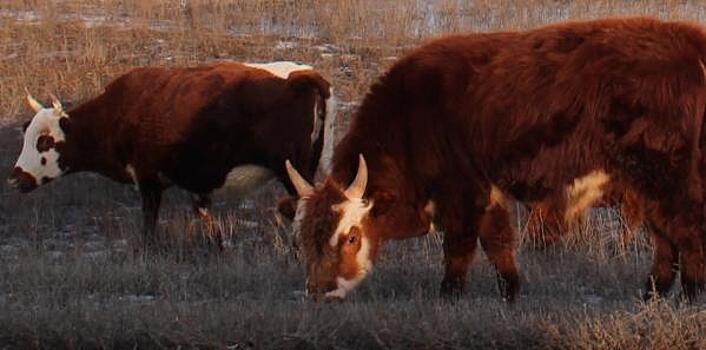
{"x": 460, "y": 242}
{"x": 202, "y": 206}
{"x": 151, "y": 193}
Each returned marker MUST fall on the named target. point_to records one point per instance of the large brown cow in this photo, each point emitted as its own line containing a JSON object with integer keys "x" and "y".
{"x": 527, "y": 112}
{"x": 191, "y": 127}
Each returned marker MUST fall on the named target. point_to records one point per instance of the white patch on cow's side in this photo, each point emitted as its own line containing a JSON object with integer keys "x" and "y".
{"x": 45, "y": 122}
{"x": 329, "y": 135}
{"x": 354, "y": 211}
{"x": 583, "y": 193}
{"x": 365, "y": 265}
{"x": 317, "y": 123}
{"x": 280, "y": 69}
{"x": 246, "y": 178}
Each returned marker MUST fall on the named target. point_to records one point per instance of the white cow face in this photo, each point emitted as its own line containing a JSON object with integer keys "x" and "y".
{"x": 44, "y": 136}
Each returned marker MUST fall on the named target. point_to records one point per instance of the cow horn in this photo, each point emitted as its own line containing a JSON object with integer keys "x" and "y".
{"x": 357, "y": 187}
{"x": 56, "y": 104}
{"x": 34, "y": 104}
{"x": 304, "y": 188}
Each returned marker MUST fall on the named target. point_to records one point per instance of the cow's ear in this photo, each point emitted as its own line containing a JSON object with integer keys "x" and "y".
{"x": 383, "y": 201}
{"x": 308, "y": 79}
{"x": 287, "y": 207}
{"x": 65, "y": 124}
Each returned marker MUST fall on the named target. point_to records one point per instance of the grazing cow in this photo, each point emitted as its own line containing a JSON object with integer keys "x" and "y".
{"x": 195, "y": 128}
{"x": 526, "y": 112}
{"x": 549, "y": 220}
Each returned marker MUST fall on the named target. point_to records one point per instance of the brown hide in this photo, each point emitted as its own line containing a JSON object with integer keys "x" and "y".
{"x": 189, "y": 127}
{"x": 547, "y": 221}
{"x": 530, "y": 112}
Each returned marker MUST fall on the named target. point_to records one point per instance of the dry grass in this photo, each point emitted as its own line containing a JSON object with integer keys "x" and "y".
{"x": 72, "y": 276}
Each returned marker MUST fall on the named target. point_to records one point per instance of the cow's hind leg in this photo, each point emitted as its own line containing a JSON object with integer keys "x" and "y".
{"x": 498, "y": 240}
{"x": 202, "y": 205}
{"x": 151, "y": 193}
{"x": 691, "y": 263}
{"x": 664, "y": 267}
{"x": 682, "y": 233}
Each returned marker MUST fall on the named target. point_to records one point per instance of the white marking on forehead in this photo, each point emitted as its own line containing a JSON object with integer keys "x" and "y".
{"x": 45, "y": 122}
{"x": 365, "y": 265}
{"x": 280, "y": 69}
{"x": 354, "y": 211}
{"x": 584, "y": 192}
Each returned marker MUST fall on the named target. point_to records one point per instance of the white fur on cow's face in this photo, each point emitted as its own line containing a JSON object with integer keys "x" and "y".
{"x": 353, "y": 212}
{"x": 365, "y": 265}
{"x": 43, "y": 164}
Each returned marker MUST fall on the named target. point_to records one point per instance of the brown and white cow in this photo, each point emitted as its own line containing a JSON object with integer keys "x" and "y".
{"x": 529, "y": 113}
{"x": 195, "y": 128}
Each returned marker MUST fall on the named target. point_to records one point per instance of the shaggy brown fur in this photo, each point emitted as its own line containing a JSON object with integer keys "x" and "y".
{"x": 530, "y": 112}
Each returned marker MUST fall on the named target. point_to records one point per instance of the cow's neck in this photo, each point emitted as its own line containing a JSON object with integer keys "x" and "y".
{"x": 87, "y": 142}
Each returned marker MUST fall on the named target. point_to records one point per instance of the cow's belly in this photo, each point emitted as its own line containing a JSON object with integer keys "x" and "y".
{"x": 245, "y": 178}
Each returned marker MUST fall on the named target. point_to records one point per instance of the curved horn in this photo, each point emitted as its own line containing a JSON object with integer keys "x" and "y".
{"x": 357, "y": 187}
{"x": 303, "y": 187}
{"x": 34, "y": 104}
{"x": 56, "y": 104}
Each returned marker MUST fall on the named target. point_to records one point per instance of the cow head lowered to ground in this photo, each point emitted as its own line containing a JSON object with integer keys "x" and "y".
{"x": 337, "y": 232}
{"x": 44, "y": 136}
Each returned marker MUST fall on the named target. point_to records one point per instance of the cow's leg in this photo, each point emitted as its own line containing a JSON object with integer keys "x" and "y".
{"x": 683, "y": 232}
{"x": 459, "y": 252}
{"x": 690, "y": 244}
{"x": 498, "y": 240}
{"x": 633, "y": 213}
{"x": 151, "y": 193}
{"x": 460, "y": 241}
{"x": 664, "y": 267}
{"x": 202, "y": 205}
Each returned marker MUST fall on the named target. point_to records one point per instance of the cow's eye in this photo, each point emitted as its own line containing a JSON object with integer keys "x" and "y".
{"x": 45, "y": 143}
{"x": 352, "y": 239}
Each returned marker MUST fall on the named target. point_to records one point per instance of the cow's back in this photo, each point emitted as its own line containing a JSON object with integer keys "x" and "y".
{"x": 190, "y": 125}
{"x": 506, "y": 106}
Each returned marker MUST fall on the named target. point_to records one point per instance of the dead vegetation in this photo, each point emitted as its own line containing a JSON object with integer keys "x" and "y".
{"x": 71, "y": 271}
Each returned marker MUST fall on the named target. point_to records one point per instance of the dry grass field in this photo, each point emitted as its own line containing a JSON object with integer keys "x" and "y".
{"x": 72, "y": 274}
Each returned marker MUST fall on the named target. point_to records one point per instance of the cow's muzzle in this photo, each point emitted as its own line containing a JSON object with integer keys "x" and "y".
{"x": 21, "y": 180}
{"x": 319, "y": 292}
